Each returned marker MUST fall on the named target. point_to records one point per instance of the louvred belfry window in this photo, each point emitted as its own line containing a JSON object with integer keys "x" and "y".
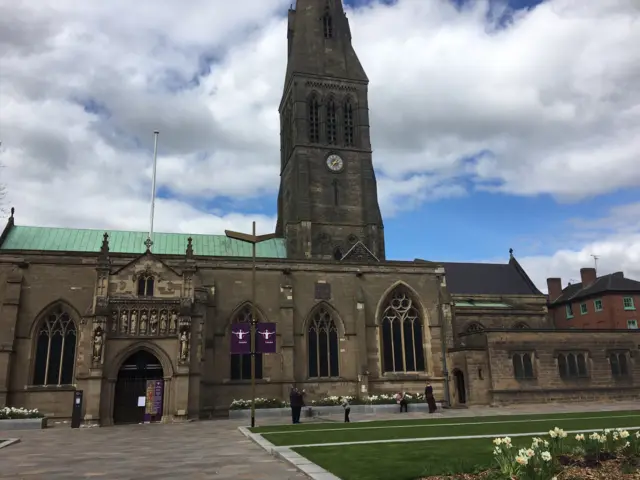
{"x": 314, "y": 120}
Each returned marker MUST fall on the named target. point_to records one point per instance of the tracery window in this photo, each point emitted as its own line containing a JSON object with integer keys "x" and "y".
{"x": 327, "y": 22}
{"x": 475, "y": 327}
{"x": 332, "y": 123}
{"x": 241, "y": 362}
{"x": 619, "y": 364}
{"x": 145, "y": 286}
{"x": 572, "y": 365}
{"x": 55, "y": 349}
{"x": 314, "y": 120}
{"x": 402, "y": 334}
{"x": 348, "y": 123}
{"x": 322, "y": 343}
{"x": 522, "y": 366}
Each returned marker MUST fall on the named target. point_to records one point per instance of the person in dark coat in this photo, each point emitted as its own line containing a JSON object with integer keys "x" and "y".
{"x": 296, "y": 401}
{"x": 431, "y": 401}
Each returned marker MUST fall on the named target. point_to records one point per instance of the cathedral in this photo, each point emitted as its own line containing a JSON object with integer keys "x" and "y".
{"x": 106, "y": 312}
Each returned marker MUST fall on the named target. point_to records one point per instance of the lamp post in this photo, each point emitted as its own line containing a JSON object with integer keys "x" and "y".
{"x": 253, "y": 239}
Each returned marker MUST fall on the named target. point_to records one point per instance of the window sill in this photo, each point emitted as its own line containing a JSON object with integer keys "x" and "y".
{"x": 576, "y": 379}
{"x": 258, "y": 381}
{"x": 630, "y": 309}
{"x": 50, "y": 388}
{"x": 526, "y": 379}
{"x": 569, "y": 318}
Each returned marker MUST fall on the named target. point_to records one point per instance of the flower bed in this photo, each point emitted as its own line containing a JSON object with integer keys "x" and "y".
{"x": 13, "y": 413}
{"x": 610, "y": 454}
{"x": 331, "y": 401}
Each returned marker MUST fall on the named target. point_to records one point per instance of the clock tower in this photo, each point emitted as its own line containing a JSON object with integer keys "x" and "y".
{"x": 328, "y": 201}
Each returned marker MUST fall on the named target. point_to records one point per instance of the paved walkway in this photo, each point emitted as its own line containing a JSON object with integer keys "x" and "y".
{"x": 194, "y": 451}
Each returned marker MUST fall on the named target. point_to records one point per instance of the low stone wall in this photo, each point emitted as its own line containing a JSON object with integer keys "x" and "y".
{"x": 23, "y": 424}
{"x": 322, "y": 411}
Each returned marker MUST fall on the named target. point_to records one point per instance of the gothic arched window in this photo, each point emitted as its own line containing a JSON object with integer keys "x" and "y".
{"x": 287, "y": 132}
{"x": 619, "y": 364}
{"x": 572, "y": 365}
{"x": 322, "y": 344}
{"x": 314, "y": 120}
{"x": 145, "y": 286}
{"x": 55, "y": 349}
{"x": 348, "y": 124}
{"x": 402, "y": 335}
{"x": 522, "y": 366}
{"x": 327, "y": 23}
{"x": 332, "y": 123}
{"x": 241, "y": 363}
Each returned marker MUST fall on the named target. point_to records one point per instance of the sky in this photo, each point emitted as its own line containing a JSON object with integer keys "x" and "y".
{"x": 493, "y": 125}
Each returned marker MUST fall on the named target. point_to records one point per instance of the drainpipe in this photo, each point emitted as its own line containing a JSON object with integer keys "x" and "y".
{"x": 443, "y": 339}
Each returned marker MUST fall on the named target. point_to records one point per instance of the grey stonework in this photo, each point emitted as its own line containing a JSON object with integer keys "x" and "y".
{"x": 323, "y": 213}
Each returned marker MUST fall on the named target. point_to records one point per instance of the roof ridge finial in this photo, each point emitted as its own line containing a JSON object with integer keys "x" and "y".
{"x": 148, "y": 243}
{"x": 189, "y": 251}
{"x": 511, "y": 252}
{"x": 13, "y": 210}
{"x": 104, "y": 249}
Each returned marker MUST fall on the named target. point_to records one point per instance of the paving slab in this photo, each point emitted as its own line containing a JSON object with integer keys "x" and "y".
{"x": 199, "y": 450}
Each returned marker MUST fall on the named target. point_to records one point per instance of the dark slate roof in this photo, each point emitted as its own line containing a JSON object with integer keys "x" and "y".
{"x": 614, "y": 282}
{"x": 488, "y": 278}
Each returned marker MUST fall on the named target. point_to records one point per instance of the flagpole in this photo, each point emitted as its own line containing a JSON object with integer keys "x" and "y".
{"x": 153, "y": 188}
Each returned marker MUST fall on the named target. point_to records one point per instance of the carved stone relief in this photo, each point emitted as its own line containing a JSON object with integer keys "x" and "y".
{"x": 97, "y": 341}
{"x": 144, "y": 320}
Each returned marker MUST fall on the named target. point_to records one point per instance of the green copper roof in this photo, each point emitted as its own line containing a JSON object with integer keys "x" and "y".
{"x": 81, "y": 240}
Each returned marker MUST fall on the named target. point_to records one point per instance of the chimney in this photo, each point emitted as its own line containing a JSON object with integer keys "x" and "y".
{"x": 554, "y": 286}
{"x": 587, "y": 276}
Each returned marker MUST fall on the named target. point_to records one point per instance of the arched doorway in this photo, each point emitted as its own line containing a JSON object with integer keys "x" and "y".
{"x": 140, "y": 377}
{"x": 460, "y": 389}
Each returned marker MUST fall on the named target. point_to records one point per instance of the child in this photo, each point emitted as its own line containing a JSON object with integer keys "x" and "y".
{"x": 347, "y": 409}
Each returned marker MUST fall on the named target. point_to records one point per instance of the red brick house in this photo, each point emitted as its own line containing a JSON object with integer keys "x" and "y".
{"x": 607, "y": 302}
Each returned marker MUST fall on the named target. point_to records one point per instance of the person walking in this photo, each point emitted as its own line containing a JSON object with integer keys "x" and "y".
{"x": 295, "y": 399}
{"x": 347, "y": 409}
{"x": 431, "y": 401}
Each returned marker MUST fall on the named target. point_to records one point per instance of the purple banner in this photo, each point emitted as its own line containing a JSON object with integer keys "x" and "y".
{"x": 157, "y": 397}
{"x": 266, "y": 338}
{"x": 240, "y": 338}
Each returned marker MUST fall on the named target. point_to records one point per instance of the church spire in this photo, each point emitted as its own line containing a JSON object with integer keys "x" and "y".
{"x": 320, "y": 41}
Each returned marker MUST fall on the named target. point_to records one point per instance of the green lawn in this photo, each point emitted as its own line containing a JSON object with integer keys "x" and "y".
{"x": 433, "y": 421}
{"x": 405, "y": 461}
{"x": 503, "y": 426}
{"x": 412, "y": 460}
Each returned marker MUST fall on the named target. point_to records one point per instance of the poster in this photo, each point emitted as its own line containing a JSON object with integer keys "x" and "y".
{"x": 266, "y": 338}
{"x": 142, "y": 401}
{"x": 240, "y": 338}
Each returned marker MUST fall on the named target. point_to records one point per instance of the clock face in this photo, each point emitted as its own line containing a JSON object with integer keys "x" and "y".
{"x": 335, "y": 163}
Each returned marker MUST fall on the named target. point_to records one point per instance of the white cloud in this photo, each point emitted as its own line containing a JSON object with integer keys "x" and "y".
{"x": 553, "y": 102}
{"x": 614, "y": 239}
